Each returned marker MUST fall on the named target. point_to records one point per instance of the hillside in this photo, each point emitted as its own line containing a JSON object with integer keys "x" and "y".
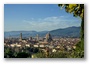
{"x": 65, "y": 32}
{"x": 70, "y": 31}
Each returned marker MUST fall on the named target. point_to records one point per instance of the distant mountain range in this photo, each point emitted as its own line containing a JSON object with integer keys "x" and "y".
{"x": 65, "y": 32}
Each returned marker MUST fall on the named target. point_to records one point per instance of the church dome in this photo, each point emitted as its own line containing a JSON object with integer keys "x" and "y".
{"x": 48, "y": 37}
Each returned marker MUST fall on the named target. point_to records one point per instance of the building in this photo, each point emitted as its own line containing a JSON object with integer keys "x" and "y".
{"x": 37, "y": 37}
{"x": 30, "y": 38}
{"x": 48, "y": 38}
{"x": 20, "y": 36}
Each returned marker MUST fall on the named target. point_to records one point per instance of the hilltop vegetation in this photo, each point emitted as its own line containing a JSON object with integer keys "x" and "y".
{"x": 65, "y": 32}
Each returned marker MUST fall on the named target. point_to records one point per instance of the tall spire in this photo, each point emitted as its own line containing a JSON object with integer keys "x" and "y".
{"x": 21, "y": 36}
{"x": 37, "y": 37}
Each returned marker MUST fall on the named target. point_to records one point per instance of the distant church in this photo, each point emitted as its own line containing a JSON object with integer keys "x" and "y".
{"x": 48, "y": 37}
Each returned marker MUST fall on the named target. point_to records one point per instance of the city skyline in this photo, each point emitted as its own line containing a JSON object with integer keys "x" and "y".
{"x": 38, "y": 17}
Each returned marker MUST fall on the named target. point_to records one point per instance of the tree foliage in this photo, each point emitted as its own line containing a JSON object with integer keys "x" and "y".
{"x": 78, "y": 11}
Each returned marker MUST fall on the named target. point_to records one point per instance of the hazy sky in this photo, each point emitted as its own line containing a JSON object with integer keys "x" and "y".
{"x": 38, "y": 17}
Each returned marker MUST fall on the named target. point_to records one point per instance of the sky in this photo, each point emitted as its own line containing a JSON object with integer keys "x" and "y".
{"x": 37, "y": 17}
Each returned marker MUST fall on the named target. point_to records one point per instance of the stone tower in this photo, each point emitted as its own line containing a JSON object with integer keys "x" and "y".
{"x": 37, "y": 37}
{"x": 20, "y": 36}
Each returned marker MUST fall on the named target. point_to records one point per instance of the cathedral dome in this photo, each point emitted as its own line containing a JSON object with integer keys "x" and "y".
{"x": 48, "y": 37}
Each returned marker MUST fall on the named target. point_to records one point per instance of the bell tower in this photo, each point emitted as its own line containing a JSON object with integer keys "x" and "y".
{"x": 37, "y": 37}
{"x": 20, "y": 36}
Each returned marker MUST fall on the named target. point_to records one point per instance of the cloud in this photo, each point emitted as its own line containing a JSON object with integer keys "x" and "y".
{"x": 51, "y": 23}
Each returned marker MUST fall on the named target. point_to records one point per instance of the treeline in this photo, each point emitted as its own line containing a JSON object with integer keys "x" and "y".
{"x": 19, "y": 53}
{"x": 37, "y": 53}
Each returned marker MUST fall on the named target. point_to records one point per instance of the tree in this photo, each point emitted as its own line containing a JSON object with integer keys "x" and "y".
{"x": 78, "y": 11}
{"x": 8, "y": 53}
{"x": 23, "y": 55}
